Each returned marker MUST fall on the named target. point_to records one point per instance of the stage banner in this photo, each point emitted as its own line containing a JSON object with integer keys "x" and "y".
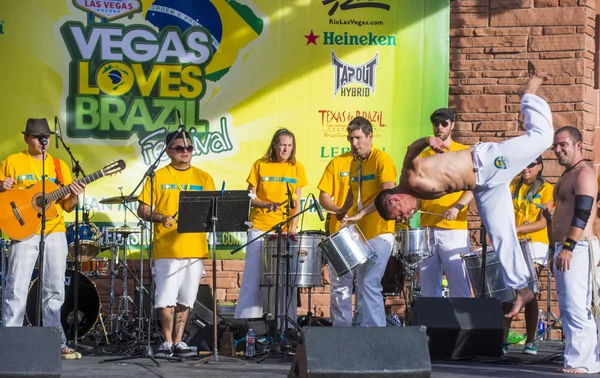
{"x": 115, "y": 72}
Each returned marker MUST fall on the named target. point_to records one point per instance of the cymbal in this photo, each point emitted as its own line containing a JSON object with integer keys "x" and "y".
{"x": 117, "y": 200}
{"x": 124, "y": 230}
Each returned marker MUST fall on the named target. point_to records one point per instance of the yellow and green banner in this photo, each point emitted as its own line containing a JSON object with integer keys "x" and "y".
{"x": 115, "y": 73}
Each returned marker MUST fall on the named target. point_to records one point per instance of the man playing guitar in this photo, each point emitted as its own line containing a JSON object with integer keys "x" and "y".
{"x": 20, "y": 171}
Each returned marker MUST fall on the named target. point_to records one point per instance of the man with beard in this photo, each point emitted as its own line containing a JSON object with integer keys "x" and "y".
{"x": 576, "y": 253}
{"x": 448, "y": 233}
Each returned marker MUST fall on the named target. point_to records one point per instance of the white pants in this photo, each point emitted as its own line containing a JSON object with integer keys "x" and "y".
{"x": 177, "y": 281}
{"x": 369, "y": 300}
{"x": 540, "y": 253}
{"x": 340, "y": 301}
{"x": 574, "y": 290}
{"x": 447, "y": 245}
{"x": 496, "y": 164}
{"x": 22, "y": 256}
{"x": 251, "y": 298}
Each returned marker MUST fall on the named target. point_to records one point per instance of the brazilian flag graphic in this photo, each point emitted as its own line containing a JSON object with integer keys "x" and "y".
{"x": 231, "y": 25}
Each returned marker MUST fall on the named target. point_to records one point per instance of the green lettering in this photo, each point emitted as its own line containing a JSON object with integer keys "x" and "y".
{"x": 86, "y": 115}
{"x": 138, "y": 114}
{"x": 112, "y": 110}
{"x": 328, "y": 38}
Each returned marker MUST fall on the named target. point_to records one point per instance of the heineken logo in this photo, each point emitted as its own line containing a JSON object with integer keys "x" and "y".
{"x": 347, "y": 39}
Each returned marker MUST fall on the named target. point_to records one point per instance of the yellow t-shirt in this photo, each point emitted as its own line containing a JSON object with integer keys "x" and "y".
{"x": 439, "y": 205}
{"x": 376, "y": 169}
{"x": 26, "y": 171}
{"x": 529, "y": 210}
{"x": 270, "y": 181}
{"x": 168, "y": 182}
{"x": 335, "y": 182}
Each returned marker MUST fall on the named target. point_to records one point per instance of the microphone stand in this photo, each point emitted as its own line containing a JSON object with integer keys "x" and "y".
{"x": 44, "y": 142}
{"x": 150, "y": 174}
{"x": 75, "y": 279}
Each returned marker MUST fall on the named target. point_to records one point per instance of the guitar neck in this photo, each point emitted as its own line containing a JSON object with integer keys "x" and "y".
{"x": 60, "y": 193}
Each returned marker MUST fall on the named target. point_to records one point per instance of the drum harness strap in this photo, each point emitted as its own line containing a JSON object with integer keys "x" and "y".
{"x": 359, "y": 199}
{"x": 592, "y": 272}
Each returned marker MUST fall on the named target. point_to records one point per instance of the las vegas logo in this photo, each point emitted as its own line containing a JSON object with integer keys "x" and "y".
{"x": 346, "y": 74}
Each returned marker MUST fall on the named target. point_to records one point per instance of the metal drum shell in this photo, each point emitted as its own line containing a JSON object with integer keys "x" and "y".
{"x": 346, "y": 249}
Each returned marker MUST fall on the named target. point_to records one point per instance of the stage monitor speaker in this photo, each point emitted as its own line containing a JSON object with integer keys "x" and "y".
{"x": 30, "y": 352}
{"x": 460, "y": 327}
{"x": 372, "y": 352}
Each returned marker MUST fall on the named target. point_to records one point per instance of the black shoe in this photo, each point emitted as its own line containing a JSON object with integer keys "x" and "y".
{"x": 181, "y": 349}
{"x": 164, "y": 350}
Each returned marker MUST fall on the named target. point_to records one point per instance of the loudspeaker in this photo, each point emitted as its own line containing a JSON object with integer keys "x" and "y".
{"x": 460, "y": 327}
{"x": 198, "y": 330}
{"x": 373, "y": 352}
{"x": 30, "y": 352}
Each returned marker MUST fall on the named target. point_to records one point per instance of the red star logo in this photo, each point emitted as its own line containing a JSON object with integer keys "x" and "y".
{"x": 311, "y": 38}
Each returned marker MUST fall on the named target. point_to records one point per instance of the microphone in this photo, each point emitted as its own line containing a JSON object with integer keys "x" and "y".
{"x": 181, "y": 127}
{"x": 56, "y": 129}
{"x": 317, "y": 207}
{"x": 43, "y": 139}
{"x": 291, "y": 198}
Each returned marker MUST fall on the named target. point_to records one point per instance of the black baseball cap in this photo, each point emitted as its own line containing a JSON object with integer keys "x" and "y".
{"x": 442, "y": 114}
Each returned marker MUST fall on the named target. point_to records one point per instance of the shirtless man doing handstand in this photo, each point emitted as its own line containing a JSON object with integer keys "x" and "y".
{"x": 487, "y": 169}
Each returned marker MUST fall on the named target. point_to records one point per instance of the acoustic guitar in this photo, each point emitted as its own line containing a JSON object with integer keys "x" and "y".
{"x": 21, "y": 209}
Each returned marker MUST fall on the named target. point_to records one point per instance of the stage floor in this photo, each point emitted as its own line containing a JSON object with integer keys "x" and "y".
{"x": 514, "y": 365}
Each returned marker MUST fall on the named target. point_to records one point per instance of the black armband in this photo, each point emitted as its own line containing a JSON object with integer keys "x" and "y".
{"x": 459, "y": 206}
{"x": 583, "y": 209}
{"x": 569, "y": 244}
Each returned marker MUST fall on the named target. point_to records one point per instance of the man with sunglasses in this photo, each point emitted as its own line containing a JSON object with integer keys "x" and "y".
{"x": 448, "y": 233}
{"x": 487, "y": 169}
{"x": 178, "y": 258}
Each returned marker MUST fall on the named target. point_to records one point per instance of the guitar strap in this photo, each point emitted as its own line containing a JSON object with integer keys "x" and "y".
{"x": 59, "y": 176}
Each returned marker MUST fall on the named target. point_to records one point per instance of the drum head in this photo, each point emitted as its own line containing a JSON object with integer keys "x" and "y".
{"x": 88, "y": 306}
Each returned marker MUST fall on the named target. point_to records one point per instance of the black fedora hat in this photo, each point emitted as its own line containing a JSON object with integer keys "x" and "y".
{"x": 37, "y": 127}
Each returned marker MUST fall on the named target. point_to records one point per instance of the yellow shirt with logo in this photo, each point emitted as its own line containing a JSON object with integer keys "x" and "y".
{"x": 168, "y": 183}
{"x": 271, "y": 181}
{"x": 439, "y": 205}
{"x": 26, "y": 171}
{"x": 335, "y": 182}
{"x": 376, "y": 169}
{"x": 528, "y": 210}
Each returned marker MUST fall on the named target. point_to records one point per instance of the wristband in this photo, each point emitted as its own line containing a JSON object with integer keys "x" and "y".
{"x": 569, "y": 244}
{"x": 459, "y": 206}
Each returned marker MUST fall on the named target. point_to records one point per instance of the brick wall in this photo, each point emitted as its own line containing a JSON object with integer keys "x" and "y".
{"x": 492, "y": 42}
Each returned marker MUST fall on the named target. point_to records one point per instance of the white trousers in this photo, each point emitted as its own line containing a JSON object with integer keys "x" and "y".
{"x": 447, "y": 246}
{"x": 369, "y": 299}
{"x": 496, "y": 164}
{"x": 340, "y": 300}
{"x": 177, "y": 281}
{"x": 574, "y": 291}
{"x": 251, "y": 298}
{"x": 22, "y": 256}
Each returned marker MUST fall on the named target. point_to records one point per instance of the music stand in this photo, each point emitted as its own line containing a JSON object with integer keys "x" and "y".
{"x": 199, "y": 212}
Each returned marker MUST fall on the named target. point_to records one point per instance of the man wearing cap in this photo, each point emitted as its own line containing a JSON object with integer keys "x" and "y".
{"x": 487, "y": 169}
{"x": 446, "y": 218}
{"x": 20, "y": 171}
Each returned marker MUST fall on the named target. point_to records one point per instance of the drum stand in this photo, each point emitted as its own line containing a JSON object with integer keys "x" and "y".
{"x": 275, "y": 347}
{"x": 552, "y": 321}
{"x": 410, "y": 270}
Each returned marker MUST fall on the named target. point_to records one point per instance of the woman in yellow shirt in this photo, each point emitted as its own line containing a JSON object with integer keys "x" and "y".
{"x": 271, "y": 178}
{"x": 531, "y": 193}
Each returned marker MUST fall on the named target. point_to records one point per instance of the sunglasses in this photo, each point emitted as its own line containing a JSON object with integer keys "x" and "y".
{"x": 532, "y": 165}
{"x": 442, "y": 123}
{"x": 181, "y": 149}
